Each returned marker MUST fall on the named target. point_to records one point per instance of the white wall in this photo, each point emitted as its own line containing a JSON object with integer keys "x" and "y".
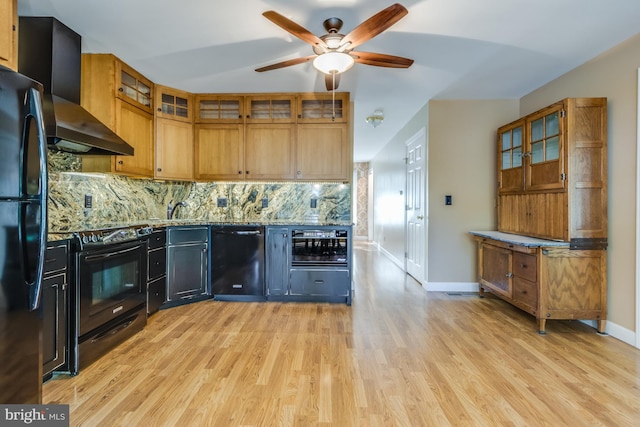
{"x": 461, "y": 162}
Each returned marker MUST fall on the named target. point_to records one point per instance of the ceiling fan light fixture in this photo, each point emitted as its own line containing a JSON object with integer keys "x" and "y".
{"x": 333, "y": 62}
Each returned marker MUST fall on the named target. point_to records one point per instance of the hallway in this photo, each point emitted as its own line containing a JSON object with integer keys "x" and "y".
{"x": 398, "y": 357}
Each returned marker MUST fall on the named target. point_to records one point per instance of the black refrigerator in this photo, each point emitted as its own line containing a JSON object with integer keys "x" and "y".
{"x": 23, "y": 228}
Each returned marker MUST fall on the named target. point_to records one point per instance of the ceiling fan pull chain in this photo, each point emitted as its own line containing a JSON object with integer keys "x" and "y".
{"x": 333, "y": 98}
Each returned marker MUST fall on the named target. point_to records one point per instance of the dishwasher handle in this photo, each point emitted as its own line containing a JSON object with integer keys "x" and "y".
{"x": 238, "y": 232}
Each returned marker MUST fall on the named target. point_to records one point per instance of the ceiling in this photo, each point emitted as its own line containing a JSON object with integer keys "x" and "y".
{"x": 463, "y": 49}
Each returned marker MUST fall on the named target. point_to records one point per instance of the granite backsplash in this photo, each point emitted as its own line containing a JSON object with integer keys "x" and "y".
{"x": 116, "y": 199}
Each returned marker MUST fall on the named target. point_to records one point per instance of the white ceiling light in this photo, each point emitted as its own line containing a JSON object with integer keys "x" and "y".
{"x": 376, "y": 118}
{"x": 333, "y": 62}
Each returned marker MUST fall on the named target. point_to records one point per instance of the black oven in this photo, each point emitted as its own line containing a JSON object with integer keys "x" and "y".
{"x": 112, "y": 281}
{"x": 110, "y": 291}
{"x": 319, "y": 247}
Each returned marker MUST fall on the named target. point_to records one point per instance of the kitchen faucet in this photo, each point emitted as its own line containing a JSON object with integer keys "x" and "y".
{"x": 172, "y": 209}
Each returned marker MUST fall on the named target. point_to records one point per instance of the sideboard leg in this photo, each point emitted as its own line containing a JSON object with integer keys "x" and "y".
{"x": 602, "y": 327}
{"x": 541, "y": 326}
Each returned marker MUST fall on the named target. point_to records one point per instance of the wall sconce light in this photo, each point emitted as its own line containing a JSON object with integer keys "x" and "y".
{"x": 375, "y": 119}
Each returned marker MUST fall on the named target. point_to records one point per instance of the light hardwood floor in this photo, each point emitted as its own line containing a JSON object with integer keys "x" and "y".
{"x": 398, "y": 357}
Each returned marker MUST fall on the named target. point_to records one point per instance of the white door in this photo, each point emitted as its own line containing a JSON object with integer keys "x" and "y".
{"x": 415, "y": 259}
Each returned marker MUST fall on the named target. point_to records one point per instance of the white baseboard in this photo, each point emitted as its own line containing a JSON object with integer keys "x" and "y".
{"x": 388, "y": 254}
{"x": 616, "y": 331}
{"x": 361, "y": 238}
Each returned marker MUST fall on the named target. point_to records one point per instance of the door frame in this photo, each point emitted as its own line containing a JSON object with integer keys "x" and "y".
{"x": 637, "y": 331}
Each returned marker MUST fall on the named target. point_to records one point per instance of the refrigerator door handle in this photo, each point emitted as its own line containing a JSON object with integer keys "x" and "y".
{"x": 34, "y": 112}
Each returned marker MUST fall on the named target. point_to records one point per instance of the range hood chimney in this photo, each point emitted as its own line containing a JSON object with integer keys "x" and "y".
{"x": 50, "y": 53}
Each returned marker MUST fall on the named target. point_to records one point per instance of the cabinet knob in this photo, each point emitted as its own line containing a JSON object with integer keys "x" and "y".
{"x": 159, "y": 169}
{"x": 159, "y": 109}
{"x": 120, "y": 89}
{"x": 121, "y": 162}
{"x": 240, "y": 172}
{"x": 299, "y": 173}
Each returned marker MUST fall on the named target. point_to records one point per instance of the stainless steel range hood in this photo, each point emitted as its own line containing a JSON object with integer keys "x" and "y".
{"x": 49, "y": 52}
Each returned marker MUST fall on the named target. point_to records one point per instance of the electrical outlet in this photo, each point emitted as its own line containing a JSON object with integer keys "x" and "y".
{"x": 265, "y": 203}
{"x": 88, "y": 201}
{"x": 222, "y": 202}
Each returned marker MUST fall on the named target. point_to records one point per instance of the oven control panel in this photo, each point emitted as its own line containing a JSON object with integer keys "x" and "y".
{"x": 111, "y": 235}
{"x": 319, "y": 234}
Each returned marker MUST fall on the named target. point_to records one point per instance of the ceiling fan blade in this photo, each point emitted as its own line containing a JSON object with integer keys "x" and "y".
{"x": 330, "y": 82}
{"x": 286, "y": 63}
{"x": 374, "y": 25}
{"x": 295, "y": 29}
{"x": 381, "y": 60}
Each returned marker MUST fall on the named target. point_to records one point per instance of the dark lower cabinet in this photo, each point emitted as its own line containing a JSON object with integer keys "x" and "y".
{"x": 157, "y": 271}
{"x": 187, "y": 264}
{"x": 277, "y": 260}
{"x": 322, "y": 272}
{"x": 55, "y": 309}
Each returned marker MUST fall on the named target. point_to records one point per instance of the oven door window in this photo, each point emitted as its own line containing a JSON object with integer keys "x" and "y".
{"x": 111, "y": 280}
{"x": 318, "y": 250}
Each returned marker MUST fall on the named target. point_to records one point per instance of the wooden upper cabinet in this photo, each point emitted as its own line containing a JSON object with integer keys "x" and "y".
{"x": 510, "y": 160}
{"x": 564, "y": 167}
{"x": 133, "y": 87}
{"x": 9, "y": 34}
{"x": 173, "y": 104}
{"x": 270, "y": 108}
{"x": 132, "y": 120}
{"x": 219, "y": 151}
{"x": 136, "y": 128}
{"x": 323, "y": 107}
{"x": 173, "y": 150}
{"x": 544, "y": 161}
{"x": 269, "y": 151}
{"x": 212, "y": 108}
{"x": 323, "y": 152}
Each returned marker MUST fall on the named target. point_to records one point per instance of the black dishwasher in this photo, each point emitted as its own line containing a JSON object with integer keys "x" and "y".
{"x": 237, "y": 262}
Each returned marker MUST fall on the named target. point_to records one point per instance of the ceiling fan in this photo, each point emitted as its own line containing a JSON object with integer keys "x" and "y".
{"x": 334, "y": 52}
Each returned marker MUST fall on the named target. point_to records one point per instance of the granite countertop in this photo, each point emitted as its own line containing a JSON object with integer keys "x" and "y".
{"x": 517, "y": 239}
{"x": 57, "y": 235}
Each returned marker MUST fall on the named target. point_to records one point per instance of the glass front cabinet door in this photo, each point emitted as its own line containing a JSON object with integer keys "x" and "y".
{"x": 544, "y": 163}
{"x": 510, "y": 150}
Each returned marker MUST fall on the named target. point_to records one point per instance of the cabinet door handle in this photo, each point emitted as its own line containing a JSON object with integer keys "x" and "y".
{"x": 523, "y": 266}
{"x": 319, "y": 282}
{"x": 509, "y": 275}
